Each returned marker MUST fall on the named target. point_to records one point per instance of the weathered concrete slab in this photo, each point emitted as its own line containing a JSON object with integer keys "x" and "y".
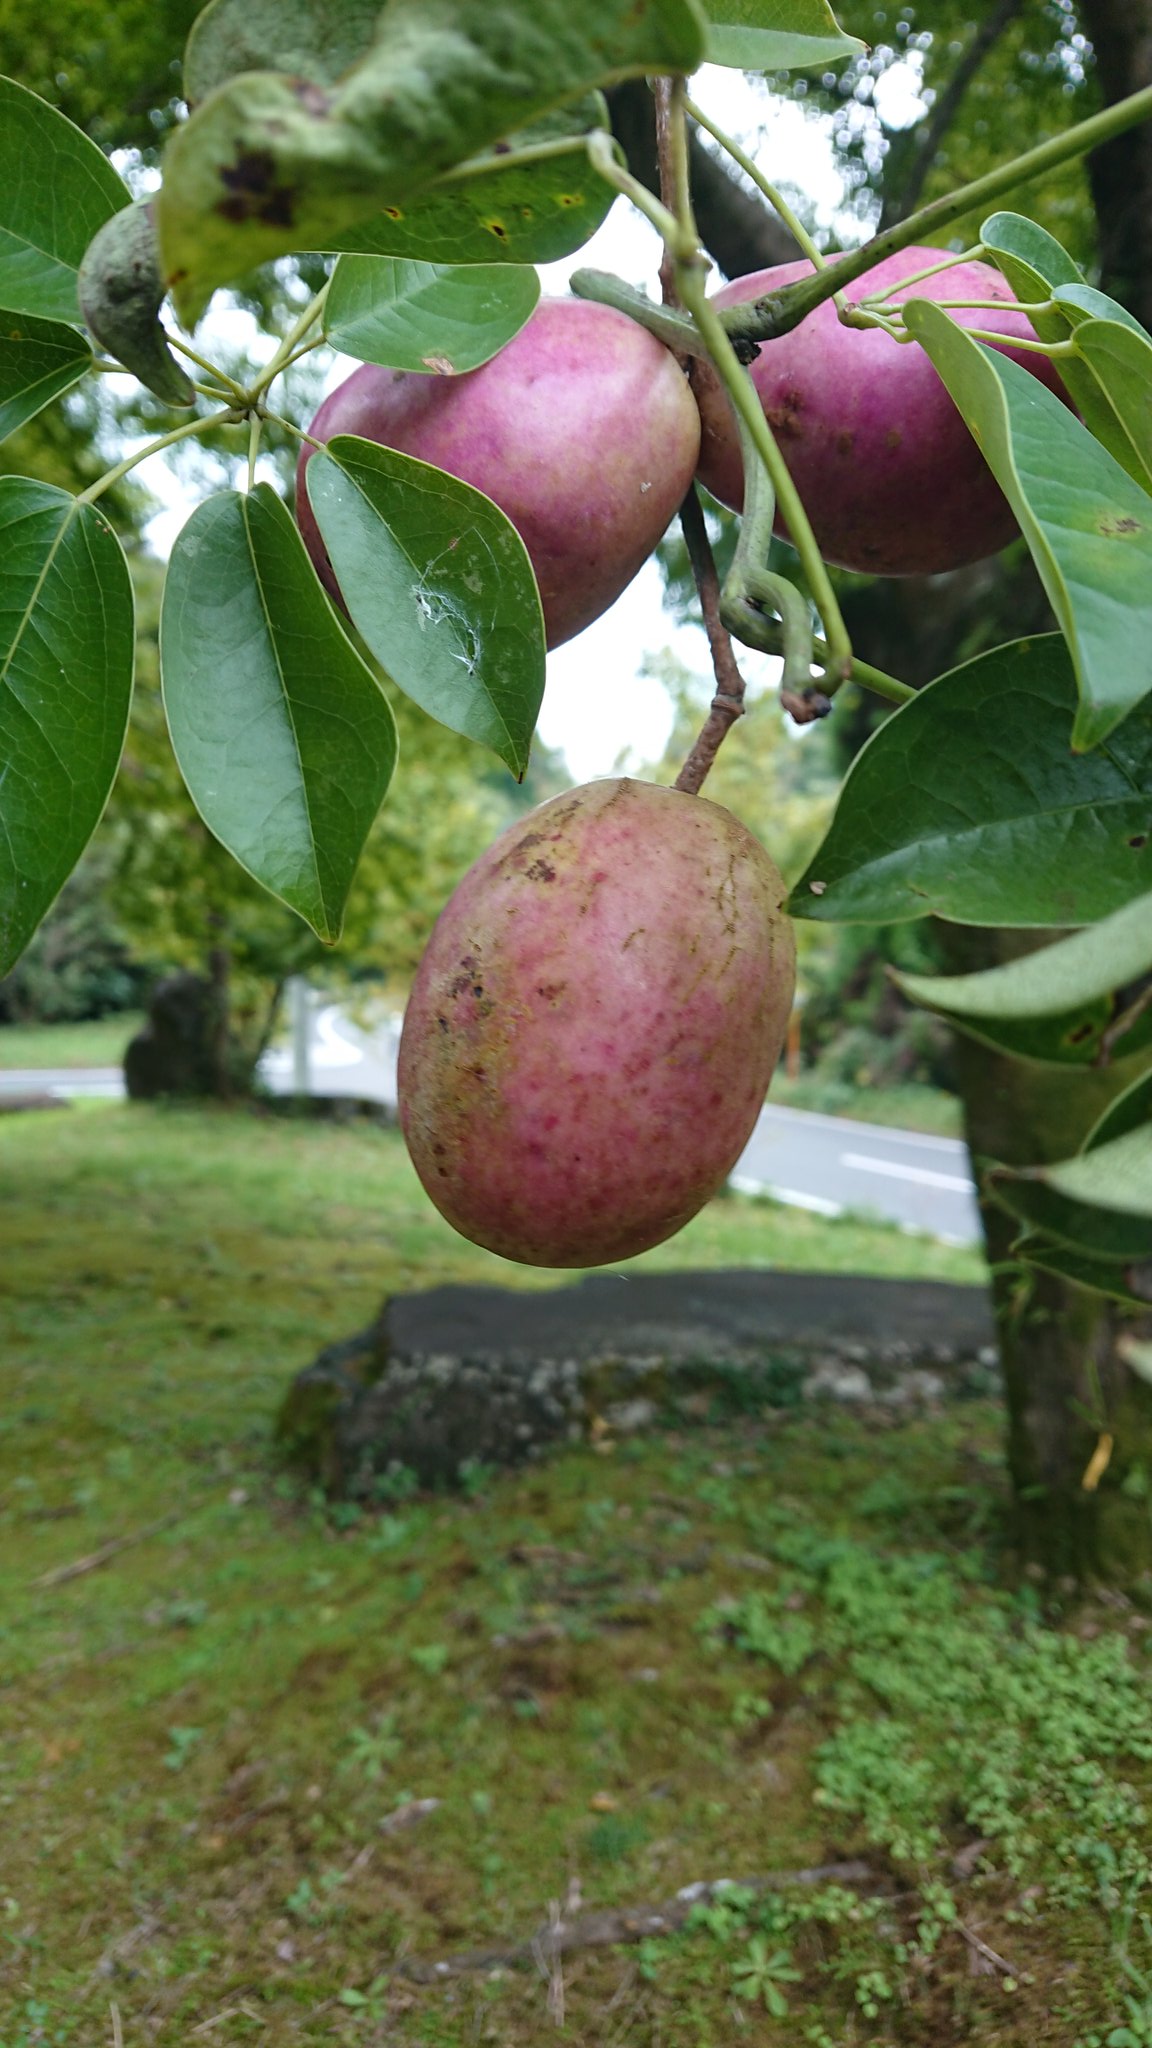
{"x": 464, "y": 1375}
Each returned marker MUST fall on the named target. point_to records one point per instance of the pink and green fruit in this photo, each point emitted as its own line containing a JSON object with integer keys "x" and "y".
{"x": 583, "y": 430}
{"x": 594, "y": 1024}
{"x": 890, "y": 476}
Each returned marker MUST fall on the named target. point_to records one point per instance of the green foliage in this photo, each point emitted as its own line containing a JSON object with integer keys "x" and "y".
{"x": 438, "y": 581}
{"x": 39, "y": 360}
{"x": 1062, "y": 1003}
{"x": 58, "y": 190}
{"x": 1088, "y": 525}
{"x": 969, "y": 803}
{"x": 65, "y": 687}
{"x": 257, "y": 172}
{"x": 426, "y": 316}
{"x": 77, "y": 964}
{"x": 763, "y": 35}
{"x": 531, "y": 199}
{"x": 284, "y": 738}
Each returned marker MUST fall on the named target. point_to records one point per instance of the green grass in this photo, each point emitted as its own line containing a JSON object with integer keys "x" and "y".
{"x": 715, "y": 1653}
{"x": 98, "y": 1043}
{"x": 102, "y": 1043}
{"x": 911, "y": 1106}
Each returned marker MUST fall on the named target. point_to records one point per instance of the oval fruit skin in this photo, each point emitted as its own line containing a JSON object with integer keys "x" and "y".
{"x": 583, "y": 430}
{"x": 891, "y": 478}
{"x": 594, "y": 1024}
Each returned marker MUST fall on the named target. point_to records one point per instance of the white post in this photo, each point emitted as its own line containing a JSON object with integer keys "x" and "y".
{"x": 300, "y": 1011}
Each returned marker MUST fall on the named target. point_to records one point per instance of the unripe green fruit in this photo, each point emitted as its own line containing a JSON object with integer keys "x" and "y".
{"x": 892, "y": 481}
{"x": 583, "y": 430}
{"x": 594, "y": 1024}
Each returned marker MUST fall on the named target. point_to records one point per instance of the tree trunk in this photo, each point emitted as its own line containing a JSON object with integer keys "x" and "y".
{"x": 1067, "y": 1383}
{"x": 1067, "y": 1386}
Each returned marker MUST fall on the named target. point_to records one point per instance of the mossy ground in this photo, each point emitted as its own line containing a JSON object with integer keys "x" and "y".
{"x": 750, "y": 1648}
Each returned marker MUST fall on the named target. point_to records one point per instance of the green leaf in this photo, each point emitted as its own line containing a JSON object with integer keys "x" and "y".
{"x": 1099, "y": 1202}
{"x": 1120, "y": 359}
{"x": 534, "y": 200}
{"x": 38, "y": 360}
{"x": 1040, "y": 270}
{"x": 426, "y": 316}
{"x": 1078, "y": 302}
{"x": 56, "y": 189}
{"x": 1128, "y": 1281}
{"x": 1088, "y": 526}
{"x": 1127, "y": 1113}
{"x": 968, "y": 804}
{"x": 262, "y": 168}
{"x": 315, "y": 39}
{"x": 438, "y": 581}
{"x": 66, "y": 655}
{"x": 1032, "y": 260}
{"x": 1058, "y": 1004}
{"x": 777, "y": 35}
{"x": 1131, "y": 1284}
{"x": 282, "y": 734}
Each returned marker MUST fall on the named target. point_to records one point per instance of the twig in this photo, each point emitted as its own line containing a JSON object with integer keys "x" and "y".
{"x": 728, "y": 703}
{"x": 981, "y": 1948}
{"x": 662, "y": 94}
{"x": 107, "y": 1551}
{"x": 559, "y": 1936}
{"x": 117, "y": 2030}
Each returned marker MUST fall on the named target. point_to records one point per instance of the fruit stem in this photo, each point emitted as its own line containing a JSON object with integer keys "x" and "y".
{"x": 602, "y": 155}
{"x": 671, "y": 328}
{"x": 728, "y": 703}
{"x": 255, "y": 424}
{"x": 779, "y": 311}
{"x": 772, "y": 194}
{"x": 899, "y": 284}
{"x": 750, "y": 584}
{"x": 1036, "y": 348}
{"x": 749, "y": 624}
{"x": 747, "y": 406}
{"x": 204, "y": 363}
{"x": 182, "y": 433}
{"x": 295, "y": 334}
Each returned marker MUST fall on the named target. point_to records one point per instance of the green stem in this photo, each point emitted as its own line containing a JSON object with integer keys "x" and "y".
{"x": 750, "y": 582}
{"x": 671, "y": 328}
{"x": 287, "y": 348}
{"x": 748, "y": 624}
{"x": 255, "y": 424}
{"x": 917, "y": 276}
{"x": 184, "y": 433}
{"x": 601, "y": 154}
{"x": 1036, "y": 348}
{"x": 779, "y": 311}
{"x": 290, "y": 427}
{"x": 202, "y": 363}
{"x": 774, "y": 197}
{"x": 746, "y": 404}
{"x": 993, "y": 306}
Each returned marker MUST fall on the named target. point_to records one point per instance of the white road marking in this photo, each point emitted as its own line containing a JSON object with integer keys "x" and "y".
{"x": 745, "y": 1184}
{"x": 864, "y": 1163}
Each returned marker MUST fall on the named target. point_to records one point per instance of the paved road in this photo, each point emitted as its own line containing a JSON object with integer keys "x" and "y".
{"x": 833, "y": 1164}
{"x": 829, "y": 1164}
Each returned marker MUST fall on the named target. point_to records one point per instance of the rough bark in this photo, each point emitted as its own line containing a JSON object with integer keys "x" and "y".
{"x": 1064, "y": 1380}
